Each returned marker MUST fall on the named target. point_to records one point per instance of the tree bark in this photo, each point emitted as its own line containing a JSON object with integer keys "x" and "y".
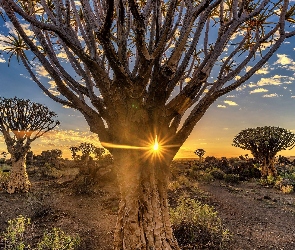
{"x": 143, "y": 217}
{"x": 268, "y": 167}
{"x": 18, "y": 180}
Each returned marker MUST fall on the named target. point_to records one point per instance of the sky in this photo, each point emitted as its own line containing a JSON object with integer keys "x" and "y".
{"x": 267, "y": 99}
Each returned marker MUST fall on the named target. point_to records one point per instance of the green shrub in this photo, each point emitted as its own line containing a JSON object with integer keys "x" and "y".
{"x": 58, "y": 240}
{"x": 14, "y": 237}
{"x": 197, "y": 226}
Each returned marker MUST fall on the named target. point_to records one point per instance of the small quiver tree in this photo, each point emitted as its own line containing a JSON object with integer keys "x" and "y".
{"x": 264, "y": 143}
{"x": 22, "y": 122}
{"x": 200, "y": 152}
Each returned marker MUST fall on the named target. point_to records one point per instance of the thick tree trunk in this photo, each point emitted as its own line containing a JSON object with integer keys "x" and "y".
{"x": 143, "y": 216}
{"x": 268, "y": 167}
{"x": 18, "y": 180}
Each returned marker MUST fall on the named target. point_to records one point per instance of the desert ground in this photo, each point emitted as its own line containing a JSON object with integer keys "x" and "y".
{"x": 256, "y": 216}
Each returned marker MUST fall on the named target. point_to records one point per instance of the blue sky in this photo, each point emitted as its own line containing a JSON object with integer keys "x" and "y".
{"x": 267, "y": 99}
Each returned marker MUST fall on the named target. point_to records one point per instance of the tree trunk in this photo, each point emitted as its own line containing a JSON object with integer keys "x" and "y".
{"x": 18, "y": 180}
{"x": 268, "y": 167}
{"x": 143, "y": 216}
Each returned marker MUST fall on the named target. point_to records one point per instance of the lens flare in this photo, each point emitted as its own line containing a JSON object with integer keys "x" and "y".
{"x": 156, "y": 145}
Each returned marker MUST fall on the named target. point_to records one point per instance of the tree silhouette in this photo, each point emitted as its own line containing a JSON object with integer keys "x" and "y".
{"x": 133, "y": 68}
{"x": 264, "y": 143}
{"x": 200, "y": 152}
{"x": 22, "y": 122}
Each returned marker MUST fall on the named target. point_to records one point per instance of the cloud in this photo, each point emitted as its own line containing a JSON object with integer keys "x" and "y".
{"x": 271, "y": 95}
{"x": 2, "y": 60}
{"x": 259, "y": 90}
{"x": 283, "y": 59}
{"x": 263, "y": 71}
{"x": 252, "y": 85}
{"x": 40, "y": 70}
{"x": 270, "y": 81}
{"x": 230, "y": 103}
{"x": 221, "y": 106}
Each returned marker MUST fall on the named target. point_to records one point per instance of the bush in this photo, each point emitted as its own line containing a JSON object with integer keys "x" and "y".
{"x": 217, "y": 174}
{"x": 4, "y": 177}
{"x": 58, "y": 240}
{"x": 232, "y": 178}
{"x": 197, "y": 226}
{"x": 14, "y": 237}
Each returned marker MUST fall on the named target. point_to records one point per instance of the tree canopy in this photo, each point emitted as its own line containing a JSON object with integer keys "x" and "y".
{"x": 23, "y": 121}
{"x": 264, "y": 141}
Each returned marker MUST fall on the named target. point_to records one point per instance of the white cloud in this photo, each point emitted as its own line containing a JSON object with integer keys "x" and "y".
{"x": 230, "y": 103}
{"x": 2, "y": 60}
{"x": 269, "y": 81}
{"x": 283, "y": 59}
{"x": 263, "y": 71}
{"x": 252, "y": 85}
{"x": 259, "y": 90}
{"x": 41, "y": 71}
{"x": 221, "y": 106}
{"x": 271, "y": 95}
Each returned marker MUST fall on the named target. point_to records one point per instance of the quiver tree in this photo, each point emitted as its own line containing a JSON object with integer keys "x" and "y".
{"x": 22, "y": 122}
{"x": 133, "y": 68}
{"x": 200, "y": 152}
{"x": 264, "y": 143}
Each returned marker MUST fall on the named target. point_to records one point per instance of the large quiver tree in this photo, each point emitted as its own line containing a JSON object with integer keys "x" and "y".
{"x": 264, "y": 143}
{"x": 22, "y": 122}
{"x": 137, "y": 67}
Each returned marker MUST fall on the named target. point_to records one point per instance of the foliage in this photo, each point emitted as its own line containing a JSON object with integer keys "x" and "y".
{"x": 200, "y": 152}
{"x": 58, "y": 240}
{"x": 264, "y": 141}
{"x": 23, "y": 121}
{"x": 4, "y": 178}
{"x": 197, "y": 226}
{"x": 232, "y": 178}
{"x": 14, "y": 237}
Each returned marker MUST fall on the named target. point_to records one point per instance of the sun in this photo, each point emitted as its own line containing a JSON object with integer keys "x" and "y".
{"x": 156, "y": 144}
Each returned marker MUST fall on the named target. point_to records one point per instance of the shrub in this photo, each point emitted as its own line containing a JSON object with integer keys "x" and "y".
{"x": 197, "y": 226}
{"x": 14, "y": 237}
{"x": 232, "y": 178}
{"x": 4, "y": 177}
{"x": 287, "y": 189}
{"x": 217, "y": 173}
{"x": 58, "y": 240}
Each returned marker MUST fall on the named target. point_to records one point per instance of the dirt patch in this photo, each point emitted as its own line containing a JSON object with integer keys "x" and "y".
{"x": 258, "y": 217}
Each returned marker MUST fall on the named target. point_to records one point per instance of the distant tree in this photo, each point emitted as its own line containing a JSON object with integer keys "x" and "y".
{"x": 200, "y": 152}
{"x": 51, "y": 156}
{"x": 74, "y": 151}
{"x": 264, "y": 143}
{"x": 144, "y": 69}
{"x": 99, "y": 152}
{"x": 22, "y": 122}
{"x": 87, "y": 149}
